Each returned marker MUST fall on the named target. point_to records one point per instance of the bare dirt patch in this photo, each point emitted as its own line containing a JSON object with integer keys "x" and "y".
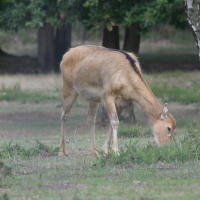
{"x": 29, "y": 116}
{"x": 62, "y": 185}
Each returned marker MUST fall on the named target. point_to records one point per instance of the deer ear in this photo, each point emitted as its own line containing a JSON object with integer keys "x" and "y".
{"x": 164, "y": 112}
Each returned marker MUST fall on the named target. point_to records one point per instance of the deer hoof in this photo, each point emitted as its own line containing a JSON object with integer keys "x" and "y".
{"x": 117, "y": 152}
{"x": 106, "y": 150}
{"x": 94, "y": 154}
{"x": 63, "y": 154}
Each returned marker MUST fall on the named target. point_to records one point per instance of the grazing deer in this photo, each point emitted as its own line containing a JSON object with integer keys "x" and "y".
{"x": 113, "y": 78}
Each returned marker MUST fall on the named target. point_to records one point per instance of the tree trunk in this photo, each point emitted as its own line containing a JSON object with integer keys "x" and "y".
{"x": 111, "y": 38}
{"x": 132, "y": 38}
{"x": 62, "y": 44}
{"x": 193, "y": 13}
{"x": 131, "y": 44}
{"x": 46, "y": 48}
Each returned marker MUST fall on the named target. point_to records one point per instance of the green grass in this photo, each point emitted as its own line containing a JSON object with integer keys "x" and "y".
{"x": 182, "y": 150}
{"x": 10, "y": 150}
{"x": 160, "y": 58}
{"x": 170, "y": 42}
{"x": 132, "y": 130}
{"x": 79, "y": 176}
{"x": 16, "y": 94}
{"x": 22, "y": 42}
{"x": 140, "y": 172}
{"x": 175, "y": 86}
{"x": 23, "y": 36}
{"x": 186, "y": 95}
{"x": 170, "y": 33}
{"x": 4, "y": 172}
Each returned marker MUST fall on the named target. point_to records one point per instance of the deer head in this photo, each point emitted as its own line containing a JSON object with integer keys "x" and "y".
{"x": 164, "y": 127}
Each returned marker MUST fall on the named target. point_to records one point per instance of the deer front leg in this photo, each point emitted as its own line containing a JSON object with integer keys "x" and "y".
{"x": 108, "y": 139}
{"x": 114, "y": 121}
{"x": 115, "y": 125}
{"x": 91, "y": 119}
{"x": 110, "y": 131}
{"x": 69, "y": 100}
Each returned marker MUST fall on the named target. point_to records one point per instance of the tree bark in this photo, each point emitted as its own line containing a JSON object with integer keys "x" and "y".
{"x": 111, "y": 38}
{"x": 131, "y": 44}
{"x": 46, "y": 48}
{"x": 62, "y": 44}
{"x": 193, "y": 14}
{"x": 132, "y": 38}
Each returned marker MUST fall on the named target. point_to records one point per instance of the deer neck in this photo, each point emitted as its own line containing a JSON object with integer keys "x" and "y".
{"x": 152, "y": 110}
{"x": 147, "y": 102}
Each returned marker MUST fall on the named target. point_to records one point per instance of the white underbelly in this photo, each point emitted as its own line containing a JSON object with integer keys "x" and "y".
{"x": 90, "y": 94}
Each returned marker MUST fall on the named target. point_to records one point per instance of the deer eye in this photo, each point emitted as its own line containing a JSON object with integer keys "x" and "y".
{"x": 169, "y": 129}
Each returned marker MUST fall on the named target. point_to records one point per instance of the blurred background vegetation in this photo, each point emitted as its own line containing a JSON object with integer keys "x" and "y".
{"x": 35, "y": 34}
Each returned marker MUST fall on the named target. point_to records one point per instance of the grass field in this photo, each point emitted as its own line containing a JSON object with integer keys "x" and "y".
{"x": 30, "y": 111}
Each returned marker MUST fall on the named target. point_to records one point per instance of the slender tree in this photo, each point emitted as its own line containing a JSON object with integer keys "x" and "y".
{"x": 62, "y": 43}
{"x": 132, "y": 38}
{"x": 111, "y": 37}
{"x": 193, "y": 17}
{"x": 46, "y": 48}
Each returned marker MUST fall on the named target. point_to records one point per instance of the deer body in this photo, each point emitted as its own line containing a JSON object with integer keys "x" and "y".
{"x": 114, "y": 79}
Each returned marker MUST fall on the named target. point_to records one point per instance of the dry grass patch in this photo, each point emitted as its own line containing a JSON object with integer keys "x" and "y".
{"x": 32, "y": 82}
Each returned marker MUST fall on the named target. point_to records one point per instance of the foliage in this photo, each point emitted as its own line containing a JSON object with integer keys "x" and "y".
{"x": 16, "y": 94}
{"x": 33, "y": 14}
{"x": 3, "y": 2}
{"x": 98, "y": 13}
{"x": 184, "y": 150}
{"x": 11, "y": 150}
{"x": 167, "y": 11}
{"x": 132, "y": 130}
{"x": 36, "y": 13}
{"x": 147, "y": 13}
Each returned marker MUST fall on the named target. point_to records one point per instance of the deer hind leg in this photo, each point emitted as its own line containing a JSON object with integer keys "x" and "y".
{"x": 91, "y": 119}
{"x": 114, "y": 121}
{"x": 110, "y": 131}
{"x": 69, "y": 99}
